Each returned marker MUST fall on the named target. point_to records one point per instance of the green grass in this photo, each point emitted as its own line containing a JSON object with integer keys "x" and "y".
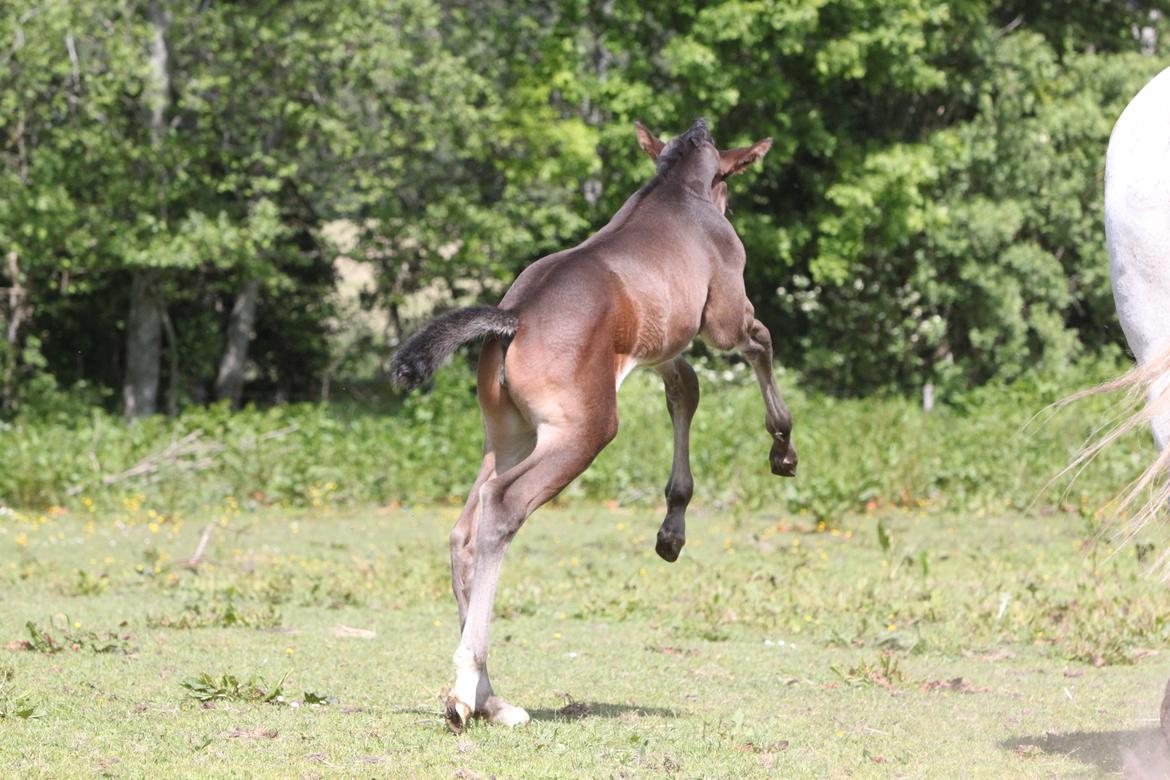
{"x": 771, "y": 648}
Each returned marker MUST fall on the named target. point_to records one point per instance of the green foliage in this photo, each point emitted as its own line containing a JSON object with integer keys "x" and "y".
{"x": 217, "y": 611}
{"x": 885, "y": 672}
{"x": 205, "y": 688}
{"x": 86, "y": 584}
{"x": 985, "y": 450}
{"x": 930, "y": 211}
{"x": 63, "y": 636}
{"x": 13, "y": 704}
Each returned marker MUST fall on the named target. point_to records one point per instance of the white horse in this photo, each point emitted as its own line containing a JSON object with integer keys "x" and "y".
{"x": 1137, "y": 231}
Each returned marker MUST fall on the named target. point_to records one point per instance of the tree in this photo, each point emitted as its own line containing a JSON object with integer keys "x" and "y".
{"x": 170, "y": 173}
{"x": 935, "y": 180}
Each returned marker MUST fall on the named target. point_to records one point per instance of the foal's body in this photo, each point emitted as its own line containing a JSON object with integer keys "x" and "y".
{"x": 667, "y": 267}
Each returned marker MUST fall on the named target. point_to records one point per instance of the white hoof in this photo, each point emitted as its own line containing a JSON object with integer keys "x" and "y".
{"x": 496, "y": 710}
{"x": 458, "y": 715}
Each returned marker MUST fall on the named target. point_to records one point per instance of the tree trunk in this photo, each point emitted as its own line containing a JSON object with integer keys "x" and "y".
{"x": 144, "y": 322}
{"x": 18, "y": 307}
{"x": 143, "y": 347}
{"x": 229, "y": 382}
{"x": 159, "y": 88}
{"x": 18, "y": 310}
{"x": 173, "y": 366}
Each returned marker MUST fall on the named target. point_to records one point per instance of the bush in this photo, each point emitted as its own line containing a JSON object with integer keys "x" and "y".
{"x": 980, "y": 452}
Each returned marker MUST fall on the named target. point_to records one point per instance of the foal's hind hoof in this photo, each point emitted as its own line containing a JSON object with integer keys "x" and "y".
{"x": 669, "y": 546}
{"x": 496, "y": 710}
{"x": 458, "y": 715}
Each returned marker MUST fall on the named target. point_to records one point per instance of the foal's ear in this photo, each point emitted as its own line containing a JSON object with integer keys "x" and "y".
{"x": 647, "y": 140}
{"x": 733, "y": 161}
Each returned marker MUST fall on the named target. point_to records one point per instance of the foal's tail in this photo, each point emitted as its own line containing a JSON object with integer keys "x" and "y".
{"x": 422, "y": 354}
{"x": 1147, "y": 388}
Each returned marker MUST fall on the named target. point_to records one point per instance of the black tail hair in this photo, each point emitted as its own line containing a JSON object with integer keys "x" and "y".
{"x": 422, "y": 354}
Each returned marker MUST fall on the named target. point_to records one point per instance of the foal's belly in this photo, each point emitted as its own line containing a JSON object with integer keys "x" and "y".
{"x": 665, "y": 330}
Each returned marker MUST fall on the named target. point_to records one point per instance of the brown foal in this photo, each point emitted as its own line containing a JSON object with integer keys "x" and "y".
{"x": 667, "y": 267}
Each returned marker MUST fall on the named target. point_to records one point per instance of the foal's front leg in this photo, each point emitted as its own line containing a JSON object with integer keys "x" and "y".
{"x": 682, "y": 398}
{"x": 756, "y": 345}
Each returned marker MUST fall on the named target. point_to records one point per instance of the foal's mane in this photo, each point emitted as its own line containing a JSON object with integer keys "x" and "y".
{"x": 674, "y": 151}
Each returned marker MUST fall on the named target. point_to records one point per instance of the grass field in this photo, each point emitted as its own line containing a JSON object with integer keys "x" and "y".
{"x": 773, "y": 648}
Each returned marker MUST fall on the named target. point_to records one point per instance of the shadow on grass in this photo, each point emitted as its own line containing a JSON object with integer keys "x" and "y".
{"x": 579, "y": 710}
{"x": 1138, "y": 754}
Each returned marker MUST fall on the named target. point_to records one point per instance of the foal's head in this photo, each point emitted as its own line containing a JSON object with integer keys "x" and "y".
{"x": 694, "y": 158}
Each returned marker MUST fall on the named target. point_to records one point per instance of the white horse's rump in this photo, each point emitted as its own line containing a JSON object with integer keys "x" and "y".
{"x": 1137, "y": 230}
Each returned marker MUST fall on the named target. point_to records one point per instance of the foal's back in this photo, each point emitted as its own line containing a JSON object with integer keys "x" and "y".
{"x": 635, "y": 289}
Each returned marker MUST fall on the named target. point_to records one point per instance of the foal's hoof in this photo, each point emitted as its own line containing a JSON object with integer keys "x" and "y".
{"x": 669, "y": 546}
{"x": 496, "y": 710}
{"x": 458, "y": 715}
{"x": 783, "y": 461}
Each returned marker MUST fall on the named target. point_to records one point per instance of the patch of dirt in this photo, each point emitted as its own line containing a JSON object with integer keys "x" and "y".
{"x": 765, "y": 754}
{"x": 257, "y": 732}
{"x": 574, "y": 710}
{"x": 679, "y": 651}
{"x": 956, "y": 684}
{"x": 772, "y": 747}
{"x": 998, "y": 654}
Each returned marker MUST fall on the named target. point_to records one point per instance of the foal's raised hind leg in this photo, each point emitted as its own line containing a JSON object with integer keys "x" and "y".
{"x": 682, "y": 398}
{"x": 757, "y": 348}
{"x": 505, "y": 502}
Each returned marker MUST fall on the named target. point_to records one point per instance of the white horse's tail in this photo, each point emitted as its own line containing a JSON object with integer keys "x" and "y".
{"x": 1147, "y": 392}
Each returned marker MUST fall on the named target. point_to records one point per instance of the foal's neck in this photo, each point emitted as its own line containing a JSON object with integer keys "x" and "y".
{"x": 664, "y": 185}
